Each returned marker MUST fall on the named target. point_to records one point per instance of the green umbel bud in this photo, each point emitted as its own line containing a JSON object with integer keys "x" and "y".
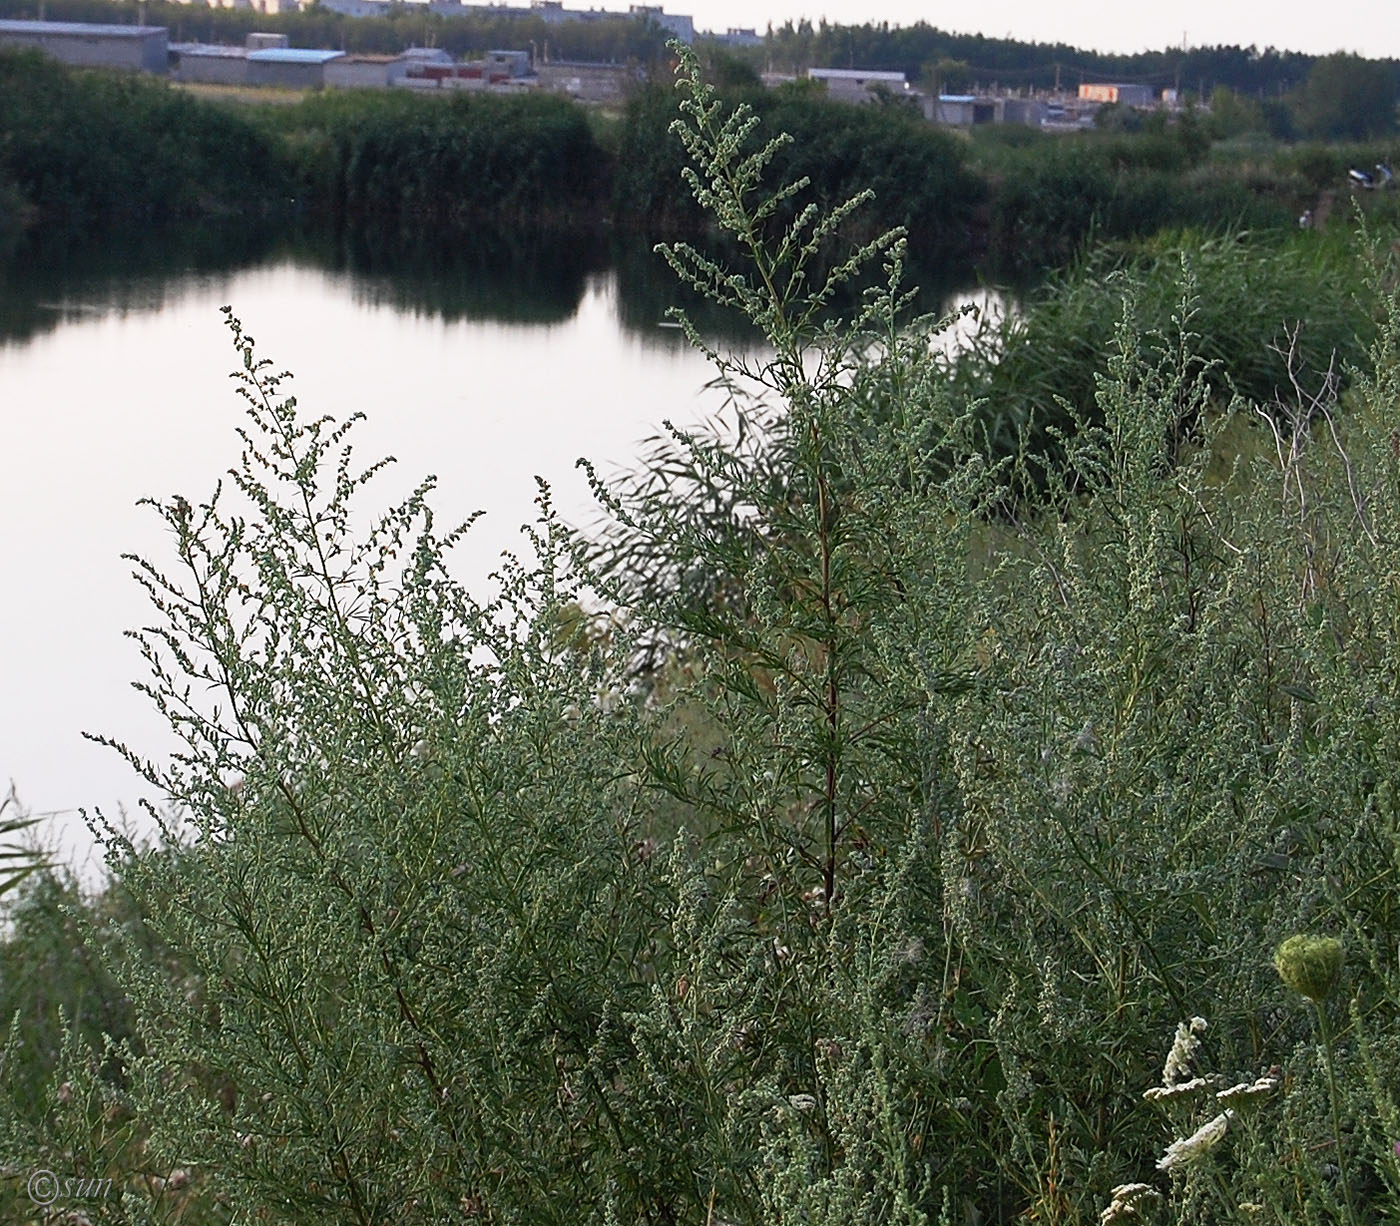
{"x": 1310, "y": 965}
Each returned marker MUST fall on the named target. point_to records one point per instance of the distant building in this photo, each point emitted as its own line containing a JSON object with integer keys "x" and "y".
{"x": 676, "y": 25}
{"x": 960, "y": 110}
{"x": 204, "y": 64}
{"x": 357, "y": 8}
{"x": 737, "y": 36}
{"x": 860, "y": 84}
{"x": 290, "y": 67}
{"x": 1028, "y": 111}
{"x": 134, "y": 48}
{"x": 512, "y": 64}
{"x": 364, "y": 71}
{"x": 1125, "y": 95}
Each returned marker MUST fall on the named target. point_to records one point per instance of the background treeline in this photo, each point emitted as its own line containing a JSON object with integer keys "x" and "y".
{"x": 918, "y": 48}
{"x": 611, "y": 40}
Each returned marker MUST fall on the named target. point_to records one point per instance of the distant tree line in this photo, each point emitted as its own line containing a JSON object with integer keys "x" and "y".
{"x": 1283, "y": 94}
{"x": 916, "y": 49}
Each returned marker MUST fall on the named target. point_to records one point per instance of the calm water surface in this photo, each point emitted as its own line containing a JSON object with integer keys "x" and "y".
{"x": 128, "y": 396}
{"x": 115, "y": 386}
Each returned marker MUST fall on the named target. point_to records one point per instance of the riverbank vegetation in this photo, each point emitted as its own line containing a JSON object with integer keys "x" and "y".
{"x": 89, "y": 150}
{"x": 942, "y": 868}
{"x": 84, "y": 151}
{"x": 1270, "y": 311}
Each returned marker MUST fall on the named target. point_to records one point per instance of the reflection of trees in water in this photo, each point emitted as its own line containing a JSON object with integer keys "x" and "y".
{"x": 516, "y": 276}
{"x": 42, "y": 284}
{"x": 507, "y": 277}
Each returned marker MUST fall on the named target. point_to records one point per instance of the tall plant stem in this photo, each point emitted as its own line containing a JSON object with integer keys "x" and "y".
{"x": 1326, "y": 1030}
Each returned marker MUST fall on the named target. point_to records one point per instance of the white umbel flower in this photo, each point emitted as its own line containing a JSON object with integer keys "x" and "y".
{"x": 1129, "y": 1199}
{"x": 1247, "y": 1092}
{"x": 1198, "y": 1144}
{"x": 1181, "y": 1089}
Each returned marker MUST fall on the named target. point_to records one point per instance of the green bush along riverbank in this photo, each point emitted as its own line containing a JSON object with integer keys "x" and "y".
{"x": 962, "y": 859}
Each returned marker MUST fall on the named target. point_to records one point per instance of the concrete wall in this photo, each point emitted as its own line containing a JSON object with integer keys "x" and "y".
{"x": 210, "y": 65}
{"x": 265, "y": 68}
{"x": 1028, "y": 111}
{"x": 588, "y": 82}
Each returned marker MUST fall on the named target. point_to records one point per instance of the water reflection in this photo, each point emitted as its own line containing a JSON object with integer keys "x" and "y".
{"x": 44, "y": 284}
{"x": 517, "y": 277}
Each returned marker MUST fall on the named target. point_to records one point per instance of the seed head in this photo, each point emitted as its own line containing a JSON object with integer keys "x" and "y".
{"x": 1310, "y": 965}
{"x": 1184, "y": 1046}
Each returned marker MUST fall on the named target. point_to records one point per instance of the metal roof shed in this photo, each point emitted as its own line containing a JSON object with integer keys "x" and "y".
{"x": 91, "y": 44}
{"x": 289, "y": 67}
{"x": 209, "y": 64}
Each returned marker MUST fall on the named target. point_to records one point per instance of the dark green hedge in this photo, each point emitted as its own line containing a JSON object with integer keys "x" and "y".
{"x": 80, "y": 150}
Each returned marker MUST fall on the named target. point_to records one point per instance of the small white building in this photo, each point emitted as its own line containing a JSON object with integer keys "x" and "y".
{"x": 861, "y": 84}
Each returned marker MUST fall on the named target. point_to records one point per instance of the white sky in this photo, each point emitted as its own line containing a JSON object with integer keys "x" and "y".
{"x": 1368, "y": 27}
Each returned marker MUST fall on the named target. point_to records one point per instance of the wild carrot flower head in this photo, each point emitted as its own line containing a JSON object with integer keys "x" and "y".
{"x": 1129, "y": 1199}
{"x": 1198, "y": 1144}
{"x": 1246, "y": 1092}
{"x": 1180, "y": 1090}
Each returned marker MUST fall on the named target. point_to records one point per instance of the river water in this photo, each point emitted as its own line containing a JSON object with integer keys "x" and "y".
{"x": 114, "y": 386}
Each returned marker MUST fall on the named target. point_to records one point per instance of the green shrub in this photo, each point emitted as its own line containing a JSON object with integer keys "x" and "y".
{"x": 399, "y": 162}
{"x": 1266, "y": 311}
{"x": 879, "y": 901}
{"x": 82, "y": 149}
{"x": 917, "y": 173}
